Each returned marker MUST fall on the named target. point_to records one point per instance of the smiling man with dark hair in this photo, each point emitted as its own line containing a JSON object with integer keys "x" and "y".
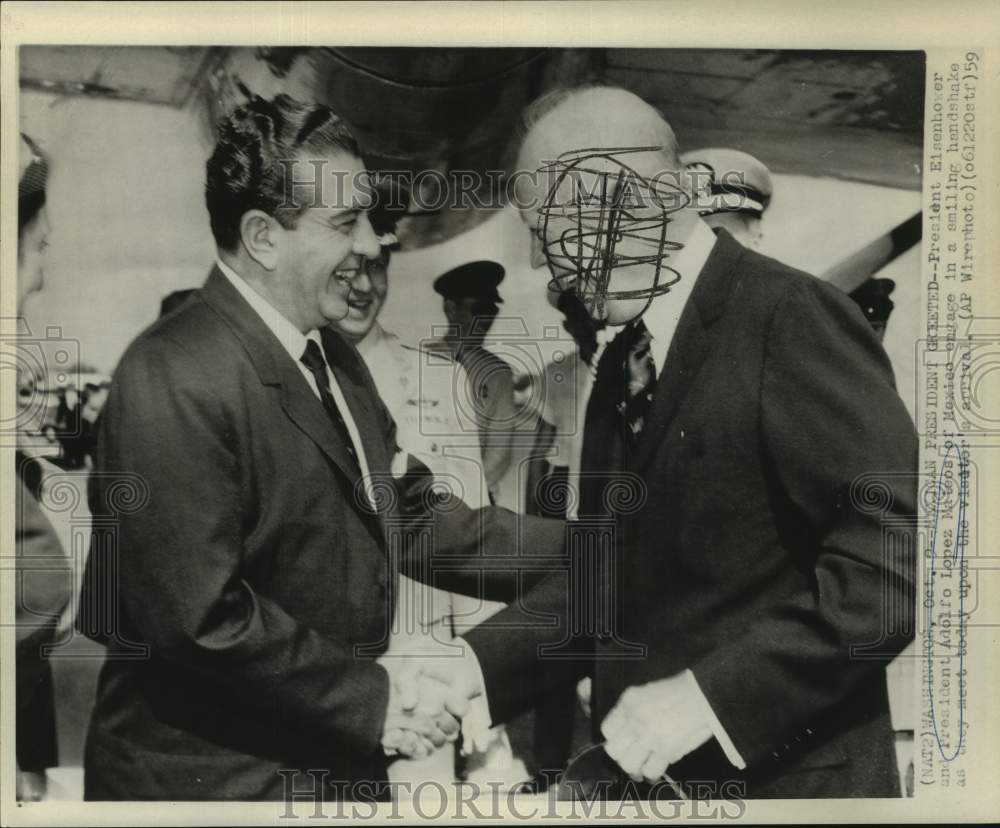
{"x": 247, "y": 584}
{"x": 216, "y": 415}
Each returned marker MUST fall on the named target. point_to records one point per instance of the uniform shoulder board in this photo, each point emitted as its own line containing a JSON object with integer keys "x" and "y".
{"x": 433, "y": 347}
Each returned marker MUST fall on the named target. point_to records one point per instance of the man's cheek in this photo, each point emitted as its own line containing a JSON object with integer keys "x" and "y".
{"x": 333, "y": 303}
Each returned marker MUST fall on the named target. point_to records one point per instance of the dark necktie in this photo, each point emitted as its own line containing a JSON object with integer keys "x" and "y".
{"x": 640, "y": 377}
{"x": 314, "y": 361}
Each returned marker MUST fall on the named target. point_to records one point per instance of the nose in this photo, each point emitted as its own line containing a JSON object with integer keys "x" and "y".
{"x": 365, "y": 240}
{"x": 537, "y": 252}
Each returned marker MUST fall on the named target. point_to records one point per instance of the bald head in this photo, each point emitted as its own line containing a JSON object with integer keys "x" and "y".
{"x": 596, "y": 116}
{"x": 576, "y": 161}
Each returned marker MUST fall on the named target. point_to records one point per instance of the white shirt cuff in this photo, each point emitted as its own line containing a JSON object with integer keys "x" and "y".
{"x": 473, "y": 666}
{"x": 718, "y": 731}
{"x": 399, "y": 464}
{"x": 477, "y": 722}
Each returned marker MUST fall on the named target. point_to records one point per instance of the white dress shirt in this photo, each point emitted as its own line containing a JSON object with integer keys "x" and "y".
{"x": 294, "y": 342}
{"x": 664, "y": 312}
{"x": 661, "y": 318}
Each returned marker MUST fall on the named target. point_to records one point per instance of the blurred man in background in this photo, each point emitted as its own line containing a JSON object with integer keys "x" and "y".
{"x": 732, "y": 189}
{"x": 471, "y": 302}
{"x": 44, "y": 574}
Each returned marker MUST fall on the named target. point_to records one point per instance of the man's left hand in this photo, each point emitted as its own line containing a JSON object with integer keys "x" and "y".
{"x": 654, "y": 725}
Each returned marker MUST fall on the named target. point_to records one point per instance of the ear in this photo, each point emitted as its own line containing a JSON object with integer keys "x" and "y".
{"x": 449, "y": 309}
{"x": 261, "y": 236}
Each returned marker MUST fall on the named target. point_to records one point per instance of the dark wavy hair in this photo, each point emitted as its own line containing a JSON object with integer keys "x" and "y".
{"x": 28, "y": 208}
{"x": 31, "y": 186}
{"x": 247, "y": 170}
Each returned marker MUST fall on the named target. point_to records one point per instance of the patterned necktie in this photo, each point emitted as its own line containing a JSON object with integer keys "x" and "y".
{"x": 640, "y": 376}
{"x": 314, "y": 361}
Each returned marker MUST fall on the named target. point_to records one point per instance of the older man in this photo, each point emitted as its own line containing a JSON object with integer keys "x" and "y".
{"x": 240, "y": 571}
{"x": 746, "y": 596}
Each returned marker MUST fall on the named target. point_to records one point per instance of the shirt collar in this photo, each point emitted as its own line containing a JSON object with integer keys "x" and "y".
{"x": 664, "y": 312}
{"x": 376, "y": 336}
{"x": 290, "y": 337}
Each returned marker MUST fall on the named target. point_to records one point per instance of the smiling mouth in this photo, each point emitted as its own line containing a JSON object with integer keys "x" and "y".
{"x": 359, "y": 304}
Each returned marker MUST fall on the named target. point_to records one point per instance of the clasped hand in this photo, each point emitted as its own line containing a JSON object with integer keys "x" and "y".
{"x": 429, "y": 693}
{"x": 654, "y": 725}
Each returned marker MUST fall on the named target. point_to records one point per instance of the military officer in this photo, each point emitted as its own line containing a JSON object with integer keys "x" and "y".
{"x": 733, "y": 190}
{"x": 471, "y": 303}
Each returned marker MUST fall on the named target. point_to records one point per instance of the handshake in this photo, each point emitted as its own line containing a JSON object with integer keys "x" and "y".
{"x": 430, "y": 691}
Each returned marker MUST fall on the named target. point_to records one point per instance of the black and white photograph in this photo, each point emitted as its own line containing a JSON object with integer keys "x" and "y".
{"x": 551, "y": 427}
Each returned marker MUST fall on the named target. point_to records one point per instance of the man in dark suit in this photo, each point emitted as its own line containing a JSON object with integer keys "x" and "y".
{"x": 747, "y": 499}
{"x": 241, "y": 572}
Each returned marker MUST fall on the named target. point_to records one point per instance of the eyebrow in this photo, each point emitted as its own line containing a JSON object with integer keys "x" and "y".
{"x": 342, "y": 217}
{"x": 359, "y": 204}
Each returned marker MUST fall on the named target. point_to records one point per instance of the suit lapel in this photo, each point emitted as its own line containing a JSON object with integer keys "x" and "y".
{"x": 305, "y": 410}
{"x": 276, "y": 368}
{"x": 693, "y": 340}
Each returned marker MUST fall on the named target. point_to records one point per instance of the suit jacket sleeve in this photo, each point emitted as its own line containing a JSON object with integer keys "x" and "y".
{"x": 181, "y": 560}
{"x": 830, "y": 416}
{"x": 510, "y": 648}
{"x": 490, "y": 553}
{"x": 44, "y": 586}
{"x": 479, "y": 552}
{"x": 44, "y": 590}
